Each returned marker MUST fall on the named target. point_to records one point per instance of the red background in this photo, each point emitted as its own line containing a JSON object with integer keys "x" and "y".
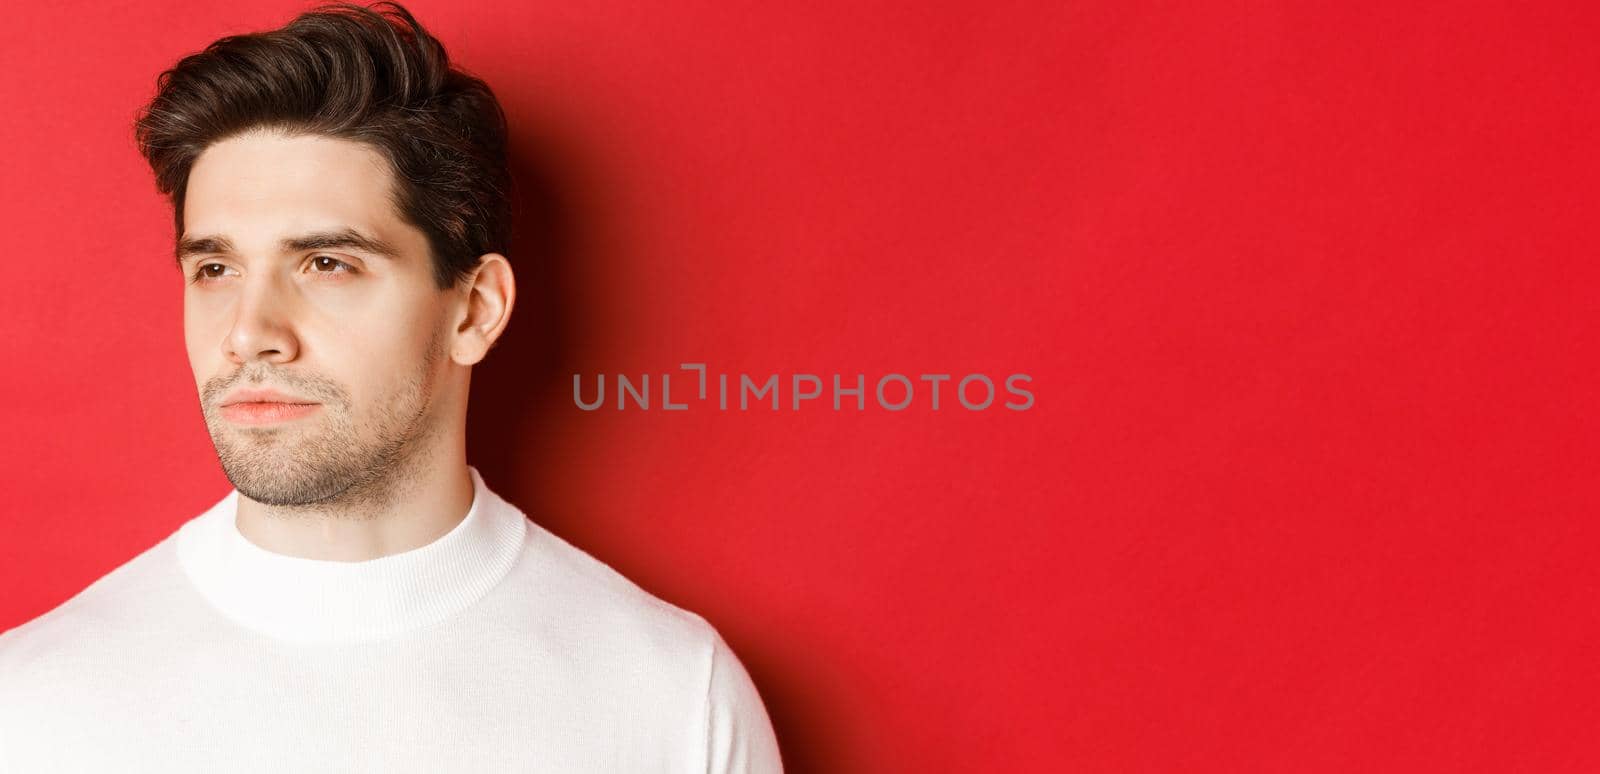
{"x": 1305, "y": 291}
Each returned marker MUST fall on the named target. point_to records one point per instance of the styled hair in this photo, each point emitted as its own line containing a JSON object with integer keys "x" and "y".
{"x": 371, "y": 75}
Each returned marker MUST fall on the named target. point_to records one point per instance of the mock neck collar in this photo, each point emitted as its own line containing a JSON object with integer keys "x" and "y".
{"x": 316, "y": 600}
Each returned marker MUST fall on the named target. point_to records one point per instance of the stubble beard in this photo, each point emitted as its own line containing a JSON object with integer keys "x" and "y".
{"x": 332, "y": 463}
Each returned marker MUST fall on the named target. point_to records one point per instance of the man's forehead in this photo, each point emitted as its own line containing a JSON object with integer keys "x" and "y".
{"x": 266, "y": 191}
{"x": 287, "y": 176}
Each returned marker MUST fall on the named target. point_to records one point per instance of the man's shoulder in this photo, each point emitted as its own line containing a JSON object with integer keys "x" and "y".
{"x": 593, "y": 601}
{"x": 633, "y": 654}
{"x": 114, "y": 602}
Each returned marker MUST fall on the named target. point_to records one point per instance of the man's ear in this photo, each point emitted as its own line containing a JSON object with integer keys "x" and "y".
{"x": 488, "y": 296}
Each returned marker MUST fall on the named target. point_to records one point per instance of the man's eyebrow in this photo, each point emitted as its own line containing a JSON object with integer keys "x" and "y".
{"x": 190, "y": 246}
{"x": 346, "y": 238}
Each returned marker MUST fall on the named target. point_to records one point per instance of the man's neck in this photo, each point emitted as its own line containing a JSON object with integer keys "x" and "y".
{"x": 415, "y": 511}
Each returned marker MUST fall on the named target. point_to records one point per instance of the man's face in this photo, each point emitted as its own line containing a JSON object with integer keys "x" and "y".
{"x": 339, "y": 326}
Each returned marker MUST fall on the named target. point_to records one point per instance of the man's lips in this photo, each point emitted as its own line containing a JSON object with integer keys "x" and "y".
{"x": 266, "y": 412}
{"x": 264, "y": 405}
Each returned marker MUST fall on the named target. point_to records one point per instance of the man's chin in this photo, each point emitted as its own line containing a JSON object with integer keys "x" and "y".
{"x": 276, "y": 479}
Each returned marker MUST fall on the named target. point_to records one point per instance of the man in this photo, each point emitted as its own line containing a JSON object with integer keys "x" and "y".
{"x": 361, "y": 600}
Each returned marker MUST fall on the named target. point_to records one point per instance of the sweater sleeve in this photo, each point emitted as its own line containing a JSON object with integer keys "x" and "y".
{"x": 739, "y": 734}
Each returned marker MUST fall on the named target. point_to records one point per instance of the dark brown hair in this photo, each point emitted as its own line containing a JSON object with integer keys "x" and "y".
{"x": 371, "y": 75}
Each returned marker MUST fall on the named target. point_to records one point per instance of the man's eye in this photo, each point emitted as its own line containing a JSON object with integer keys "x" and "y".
{"x": 203, "y": 272}
{"x": 321, "y": 262}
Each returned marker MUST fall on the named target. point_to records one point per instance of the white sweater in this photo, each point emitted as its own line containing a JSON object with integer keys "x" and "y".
{"x": 498, "y": 647}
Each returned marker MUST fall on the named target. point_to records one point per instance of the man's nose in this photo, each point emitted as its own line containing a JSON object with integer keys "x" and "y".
{"x": 261, "y": 323}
